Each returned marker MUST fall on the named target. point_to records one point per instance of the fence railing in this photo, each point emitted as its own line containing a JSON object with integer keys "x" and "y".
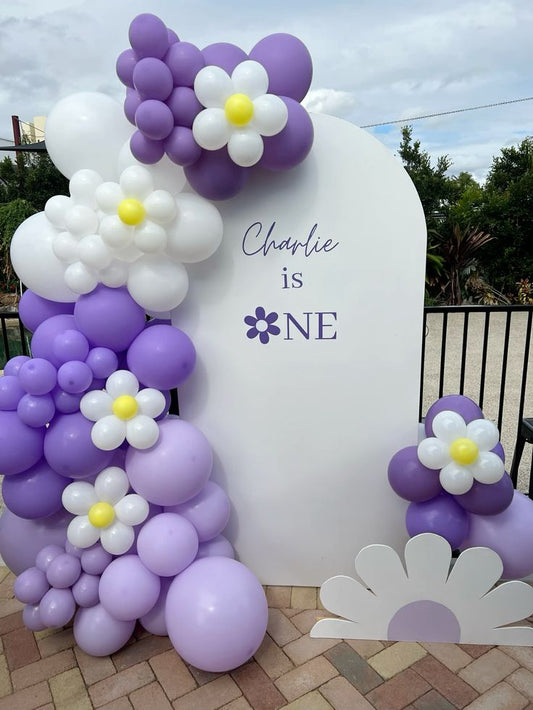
{"x": 14, "y": 338}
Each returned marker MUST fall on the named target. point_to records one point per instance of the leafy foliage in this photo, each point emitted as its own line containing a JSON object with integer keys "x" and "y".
{"x": 12, "y": 214}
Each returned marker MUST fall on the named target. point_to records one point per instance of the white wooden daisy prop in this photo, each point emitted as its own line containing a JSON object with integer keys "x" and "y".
{"x": 238, "y": 111}
{"x": 122, "y": 412}
{"x": 426, "y": 601}
{"x": 104, "y": 512}
{"x": 462, "y": 452}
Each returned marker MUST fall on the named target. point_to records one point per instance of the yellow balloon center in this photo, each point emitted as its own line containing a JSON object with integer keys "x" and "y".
{"x": 239, "y": 109}
{"x": 101, "y": 514}
{"x": 131, "y": 211}
{"x": 125, "y": 407}
{"x": 464, "y": 451}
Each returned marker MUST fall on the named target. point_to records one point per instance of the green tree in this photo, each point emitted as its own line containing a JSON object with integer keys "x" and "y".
{"x": 12, "y": 214}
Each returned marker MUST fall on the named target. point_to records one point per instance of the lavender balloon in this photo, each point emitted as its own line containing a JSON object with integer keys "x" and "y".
{"x": 74, "y": 377}
{"x": 484, "y": 499}
{"x": 184, "y": 106}
{"x": 35, "y": 493}
{"x": 36, "y": 410}
{"x": 95, "y": 559}
{"x": 128, "y": 590}
{"x": 224, "y": 55}
{"x": 219, "y": 546}
{"x": 34, "y": 309}
{"x": 32, "y": 618}
{"x": 154, "y": 621}
{"x": 154, "y": 119}
{"x": 288, "y": 63}
{"x": 10, "y": 393}
{"x": 181, "y": 147}
{"x": 292, "y": 145}
{"x": 167, "y": 544}
{"x": 145, "y": 149}
{"x": 410, "y": 479}
{"x": 464, "y": 406}
{"x": 63, "y": 571}
{"x": 125, "y": 65}
{"x": 65, "y": 402}
{"x": 216, "y": 614}
{"x": 85, "y": 590}
{"x": 442, "y": 516}
{"x": 162, "y": 357}
{"x": 131, "y": 104}
{"x": 98, "y": 633}
{"x": 102, "y": 362}
{"x": 21, "y": 446}
{"x": 152, "y": 79}
{"x": 70, "y": 345}
{"x": 31, "y": 586}
{"x": 12, "y": 366}
{"x": 184, "y": 61}
{"x": 215, "y": 176}
{"x": 46, "y": 555}
{"x": 57, "y": 607}
{"x": 38, "y": 376}
{"x": 208, "y": 512}
{"x": 42, "y": 343}
{"x": 148, "y": 36}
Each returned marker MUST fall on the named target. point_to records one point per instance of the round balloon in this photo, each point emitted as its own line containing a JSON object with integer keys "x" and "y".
{"x": 488, "y": 499}
{"x": 154, "y": 621}
{"x": 21, "y": 446}
{"x": 288, "y": 63}
{"x": 219, "y": 546}
{"x": 98, "y": 633}
{"x": 35, "y": 493}
{"x": 196, "y": 232}
{"x": 410, "y": 479}
{"x": 162, "y": 357}
{"x": 167, "y": 544}
{"x": 209, "y": 511}
{"x": 464, "y": 406}
{"x": 34, "y": 309}
{"x": 442, "y": 516}
{"x": 216, "y": 614}
{"x": 128, "y": 590}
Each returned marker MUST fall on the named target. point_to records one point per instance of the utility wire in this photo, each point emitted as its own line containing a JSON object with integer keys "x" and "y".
{"x": 446, "y": 113}
{"x": 33, "y": 126}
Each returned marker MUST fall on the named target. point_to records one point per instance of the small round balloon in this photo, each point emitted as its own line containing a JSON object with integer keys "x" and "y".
{"x": 128, "y": 590}
{"x": 442, "y": 516}
{"x": 98, "y": 633}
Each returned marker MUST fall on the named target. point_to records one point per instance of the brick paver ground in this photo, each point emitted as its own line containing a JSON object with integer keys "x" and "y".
{"x": 47, "y": 671}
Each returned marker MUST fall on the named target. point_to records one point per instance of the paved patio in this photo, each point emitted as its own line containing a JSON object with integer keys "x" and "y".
{"x": 48, "y": 671}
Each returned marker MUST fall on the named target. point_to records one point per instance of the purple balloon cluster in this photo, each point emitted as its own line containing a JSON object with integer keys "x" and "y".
{"x": 159, "y": 72}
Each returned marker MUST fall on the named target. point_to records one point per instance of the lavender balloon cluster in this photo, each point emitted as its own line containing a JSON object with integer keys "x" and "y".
{"x": 218, "y": 111}
{"x": 111, "y": 514}
{"x": 457, "y": 487}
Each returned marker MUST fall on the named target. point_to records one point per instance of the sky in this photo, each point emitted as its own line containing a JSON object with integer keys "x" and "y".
{"x": 374, "y": 60}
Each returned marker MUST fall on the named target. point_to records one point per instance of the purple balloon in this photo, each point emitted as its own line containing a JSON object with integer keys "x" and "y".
{"x": 167, "y": 544}
{"x": 152, "y": 79}
{"x": 181, "y": 147}
{"x": 215, "y": 175}
{"x": 85, "y": 590}
{"x": 184, "y": 61}
{"x": 509, "y": 534}
{"x": 98, "y": 633}
{"x": 70, "y": 345}
{"x": 63, "y": 571}
{"x": 35, "y": 493}
{"x": 47, "y": 555}
{"x": 34, "y": 310}
{"x": 21, "y": 446}
{"x": 38, "y": 376}
{"x": 42, "y": 342}
{"x": 66, "y": 403}
{"x": 125, "y": 65}
{"x": 464, "y": 406}
{"x": 292, "y": 145}
{"x": 216, "y": 614}
{"x": 131, "y": 104}
{"x": 154, "y": 621}
{"x": 12, "y": 366}
{"x": 128, "y": 590}
{"x": 57, "y": 607}
{"x": 148, "y": 36}
{"x": 162, "y": 357}
{"x": 145, "y": 149}
{"x": 74, "y": 377}
{"x": 109, "y": 317}
{"x": 209, "y": 511}
{"x": 69, "y": 450}
{"x": 184, "y": 106}
{"x": 491, "y": 499}
{"x": 31, "y": 586}
{"x": 21, "y": 540}
{"x": 172, "y": 36}
{"x": 10, "y": 393}
{"x": 73, "y": 550}
{"x": 498, "y": 450}
{"x": 224, "y": 55}
{"x": 32, "y": 618}
{"x": 219, "y": 546}
{"x": 442, "y": 516}
{"x": 36, "y": 410}
{"x": 102, "y": 361}
{"x": 410, "y": 479}
{"x": 154, "y": 119}
{"x": 182, "y": 458}
{"x": 95, "y": 559}
{"x": 288, "y": 63}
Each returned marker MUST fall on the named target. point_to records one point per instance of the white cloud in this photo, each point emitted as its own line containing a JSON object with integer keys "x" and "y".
{"x": 331, "y": 101}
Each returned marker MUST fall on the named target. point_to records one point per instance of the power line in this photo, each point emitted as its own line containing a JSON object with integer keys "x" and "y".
{"x": 447, "y": 113}
{"x": 33, "y": 126}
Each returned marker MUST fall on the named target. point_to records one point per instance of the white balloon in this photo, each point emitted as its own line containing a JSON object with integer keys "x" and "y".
{"x": 132, "y": 509}
{"x": 128, "y": 254}
{"x": 78, "y": 497}
{"x": 108, "y": 433}
{"x": 160, "y": 206}
{"x": 270, "y": 115}
{"x": 151, "y": 402}
{"x": 136, "y": 181}
{"x": 142, "y": 432}
{"x": 165, "y": 174}
{"x": 448, "y": 426}
{"x": 150, "y": 238}
{"x": 117, "y": 538}
{"x": 55, "y": 209}
{"x": 250, "y": 78}
{"x": 433, "y": 453}
{"x": 81, "y": 533}
{"x": 211, "y": 129}
{"x": 87, "y": 130}
{"x": 122, "y": 382}
{"x": 115, "y": 233}
{"x": 456, "y": 479}
{"x": 213, "y": 86}
{"x": 488, "y": 467}
{"x": 96, "y": 404}
{"x": 111, "y": 485}
{"x": 108, "y": 196}
{"x": 157, "y": 283}
{"x": 94, "y": 252}
{"x": 484, "y": 433}
{"x": 34, "y": 261}
{"x": 81, "y": 220}
{"x": 115, "y": 275}
{"x": 83, "y": 185}
{"x": 197, "y": 231}
{"x": 80, "y": 278}
{"x": 245, "y": 147}
{"x": 65, "y": 246}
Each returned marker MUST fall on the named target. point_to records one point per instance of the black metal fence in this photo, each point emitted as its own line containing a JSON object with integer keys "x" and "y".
{"x": 14, "y": 337}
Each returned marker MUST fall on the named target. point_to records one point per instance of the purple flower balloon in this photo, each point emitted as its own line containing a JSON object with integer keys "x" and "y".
{"x": 128, "y": 590}
{"x": 10, "y": 393}
{"x": 162, "y": 357}
{"x": 209, "y": 511}
{"x": 216, "y": 614}
{"x": 224, "y": 55}
{"x": 410, "y": 479}
{"x": 167, "y": 544}
{"x": 148, "y": 36}
{"x": 442, "y": 516}
{"x": 35, "y": 493}
{"x": 21, "y": 446}
{"x": 484, "y": 499}
{"x": 292, "y": 145}
{"x": 215, "y": 176}
{"x": 98, "y": 633}
{"x": 464, "y": 406}
{"x": 21, "y": 540}
{"x": 288, "y": 63}
{"x": 34, "y": 309}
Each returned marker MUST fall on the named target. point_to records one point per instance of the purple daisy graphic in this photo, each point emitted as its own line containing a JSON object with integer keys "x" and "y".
{"x": 262, "y": 325}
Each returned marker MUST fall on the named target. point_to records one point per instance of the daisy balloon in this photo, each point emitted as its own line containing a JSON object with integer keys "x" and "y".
{"x": 104, "y": 512}
{"x": 122, "y": 412}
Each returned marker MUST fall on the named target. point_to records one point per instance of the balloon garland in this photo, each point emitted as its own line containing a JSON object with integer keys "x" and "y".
{"x": 111, "y": 517}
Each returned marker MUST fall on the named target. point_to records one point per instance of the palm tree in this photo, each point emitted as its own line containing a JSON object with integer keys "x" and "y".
{"x": 458, "y": 252}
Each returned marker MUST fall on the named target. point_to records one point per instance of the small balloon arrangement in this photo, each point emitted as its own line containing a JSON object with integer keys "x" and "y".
{"x": 457, "y": 486}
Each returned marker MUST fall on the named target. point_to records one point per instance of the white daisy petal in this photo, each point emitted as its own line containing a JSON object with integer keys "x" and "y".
{"x": 250, "y": 78}
{"x": 456, "y": 479}
{"x": 108, "y": 433}
{"x": 150, "y": 238}
{"x": 108, "y": 196}
{"x": 114, "y": 232}
{"x": 211, "y": 129}
{"x": 433, "y": 453}
{"x": 81, "y": 533}
{"x": 122, "y": 382}
{"x": 136, "y": 181}
{"x": 449, "y": 426}
{"x": 160, "y": 206}
{"x": 117, "y": 538}
{"x": 142, "y": 432}
{"x": 212, "y": 86}
{"x": 151, "y": 402}
{"x": 245, "y": 147}
{"x": 66, "y": 247}
{"x": 484, "y": 433}
{"x": 111, "y": 485}
{"x": 428, "y": 565}
{"x": 377, "y": 566}
{"x": 270, "y": 115}
{"x": 96, "y": 404}
{"x": 78, "y": 497}
{"x": 129, "y": 254}
{"x": 487, "y": 468}
{"x": 132, "y": 509}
